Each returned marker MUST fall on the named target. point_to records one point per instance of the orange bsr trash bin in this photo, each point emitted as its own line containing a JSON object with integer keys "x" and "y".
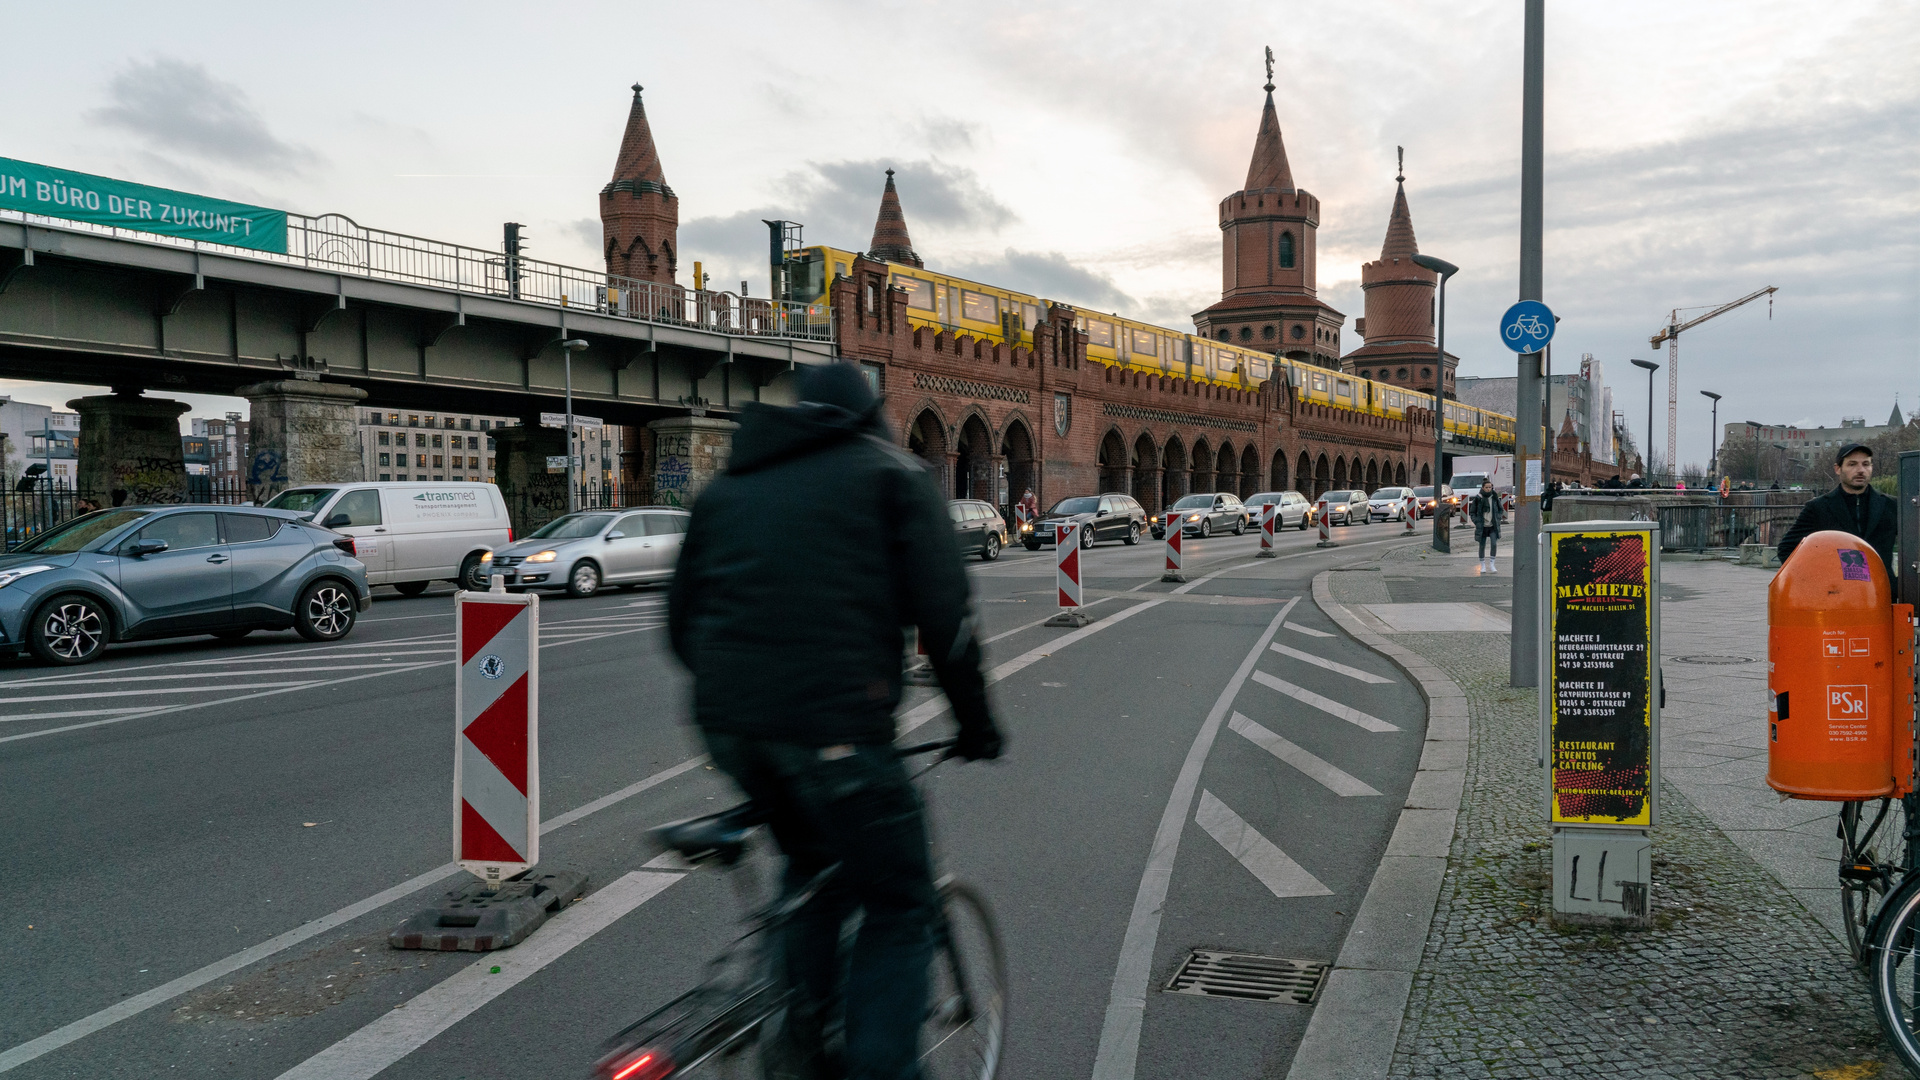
{"x": 1839, "y": 675}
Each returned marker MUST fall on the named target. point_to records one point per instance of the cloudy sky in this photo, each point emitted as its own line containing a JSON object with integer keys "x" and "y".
{"x": 1695, "y": 152}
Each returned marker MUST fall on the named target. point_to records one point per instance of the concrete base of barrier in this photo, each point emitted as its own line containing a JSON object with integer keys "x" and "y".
{"x": 471, "y": 919}
{"x": 1327, "y": 543}
{"x": 1074, "y": 618}
{"x": 1175, "y": 577}
{"x": 1267, "y": 553}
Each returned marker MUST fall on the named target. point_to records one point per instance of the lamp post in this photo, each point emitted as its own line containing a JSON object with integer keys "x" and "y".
{"x": 1647, "y": 455}
{"x": 1446, "y": 270}
{"x": 1713, "y": 459}
{"x": 571, "y": 345}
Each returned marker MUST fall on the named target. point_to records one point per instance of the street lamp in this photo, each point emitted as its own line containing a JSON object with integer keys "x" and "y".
{"x": 573, "y": 345}
{"x": 1446, "y": 270}
{"x": 1713, "y": 459}
{"x": 1646, "y": 457}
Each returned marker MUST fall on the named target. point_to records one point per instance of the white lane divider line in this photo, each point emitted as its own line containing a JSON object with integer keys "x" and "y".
{"x": 1279, "y": 873}
{"x": 367, "y": 1052}
{"x": 1323, "y": 772}
{"x": 1308, "y": 630}
{"x": 1324, "y": 704}
{"x": 1127, "y": 1000}
{"x": 1319, "y": 661}
{"x": 146, "y": 691}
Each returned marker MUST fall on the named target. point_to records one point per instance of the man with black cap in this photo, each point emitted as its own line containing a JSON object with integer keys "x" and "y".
{"x": 1853, "y": 507}
{"x": 796, "y": 651}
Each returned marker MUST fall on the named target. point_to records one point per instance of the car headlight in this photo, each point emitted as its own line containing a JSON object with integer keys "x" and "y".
{"x": 1026, "y": 526}
{"x": 8, "y": 577}
{"x": 544, "y": 556}
{"x": 486, "y": 556}
{"x": 1193, "y": 517}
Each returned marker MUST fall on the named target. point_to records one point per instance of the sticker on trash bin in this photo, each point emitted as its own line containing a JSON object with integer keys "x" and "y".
{"x": 1853, "y": 566}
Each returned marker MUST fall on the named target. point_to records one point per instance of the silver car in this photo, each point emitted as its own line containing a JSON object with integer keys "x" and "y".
{"x": 584, "y": 551}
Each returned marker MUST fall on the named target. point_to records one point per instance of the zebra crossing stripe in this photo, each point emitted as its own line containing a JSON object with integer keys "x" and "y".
{"x": 496, "y": 771}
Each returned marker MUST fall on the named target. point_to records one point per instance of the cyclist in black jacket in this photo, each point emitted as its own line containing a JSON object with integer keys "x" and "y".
{"x": 795, "y": 647}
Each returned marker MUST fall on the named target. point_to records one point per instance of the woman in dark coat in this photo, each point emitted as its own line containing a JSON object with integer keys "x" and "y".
{"x": 1488, "y": 515}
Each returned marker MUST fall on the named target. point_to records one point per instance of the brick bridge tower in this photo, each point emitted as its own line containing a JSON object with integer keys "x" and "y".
{"x": 890, "y": 240}
{"x": 639, "y": 213}
{"x": 1399, "y": 323}
{"x": 1270, "y": 293}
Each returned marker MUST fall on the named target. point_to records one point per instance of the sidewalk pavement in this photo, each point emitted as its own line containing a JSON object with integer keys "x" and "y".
{"x": 1745, "y": 973}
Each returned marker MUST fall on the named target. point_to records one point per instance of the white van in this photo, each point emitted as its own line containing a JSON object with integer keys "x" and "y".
{"x": 410, "y": 535}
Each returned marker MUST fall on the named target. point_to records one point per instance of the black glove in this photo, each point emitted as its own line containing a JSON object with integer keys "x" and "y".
{"x": 978, "y": 742}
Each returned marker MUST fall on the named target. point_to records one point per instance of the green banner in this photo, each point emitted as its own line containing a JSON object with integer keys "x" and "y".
{"x": 57, "y": 193}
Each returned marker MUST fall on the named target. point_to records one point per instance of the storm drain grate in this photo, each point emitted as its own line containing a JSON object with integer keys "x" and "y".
{"x": 1249, "y": 978}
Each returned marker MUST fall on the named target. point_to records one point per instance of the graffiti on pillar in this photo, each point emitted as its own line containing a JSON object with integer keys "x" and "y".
{"x": 266, "y": 476}
{"x": 673, "y": 469}
{"x": 148, "y": 480}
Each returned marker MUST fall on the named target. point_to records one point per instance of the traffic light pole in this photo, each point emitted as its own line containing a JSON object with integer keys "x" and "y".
{"x": 1528, "y": 441}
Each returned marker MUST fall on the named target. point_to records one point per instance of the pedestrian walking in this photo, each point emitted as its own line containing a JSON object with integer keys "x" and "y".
{"x": 1852, "y": 507}
{"x": 1488, "y": 514}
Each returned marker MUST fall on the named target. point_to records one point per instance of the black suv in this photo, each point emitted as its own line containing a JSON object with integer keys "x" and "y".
{"x": 1102, "y": 517}
{"x": 1204, "y": 514}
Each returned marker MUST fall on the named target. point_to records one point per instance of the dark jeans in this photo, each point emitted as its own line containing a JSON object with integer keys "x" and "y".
{"x": 1489, "y": 540}
{"x": 854, "y": 806}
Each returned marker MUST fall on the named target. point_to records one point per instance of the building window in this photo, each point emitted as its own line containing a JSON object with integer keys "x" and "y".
{"x": 1402, "y": 373}
{"x": 466, "y": 423}
{"x": 1365, "y": 374}
{"x": 1299, "y": 332}
{"x": 438, "y": 460}
{"x": 1286, "y": 251}
{"x": 430, "y": 422}
{"x": 393, "y": 418}
{"x": 490, "y": 464}
{"x": 449, "y": 421}
{"x": 473, "y": 463}
{"x": 386, "y": 439}
{"x": 386, "y": 459}
{"x": 473, "y": 442}
{"x": 1223, "y": 335}
{"x": 386, "y": 476}
{"x": 420, "y": 462}
{"x": 1426, "y": 373}
{"x": 419, "y": 439}
{"x": 412, "y": 420}
{"x": 1246, "y": 333}
{"x": 1267, "y": 332}
{"x": 437, "y": 478}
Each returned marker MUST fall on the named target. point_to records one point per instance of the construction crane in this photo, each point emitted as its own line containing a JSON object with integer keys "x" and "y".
{"x": 1670, "y": 334}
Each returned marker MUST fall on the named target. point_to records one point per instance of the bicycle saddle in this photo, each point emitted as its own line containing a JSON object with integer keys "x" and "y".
{"x": 722, "y": 835}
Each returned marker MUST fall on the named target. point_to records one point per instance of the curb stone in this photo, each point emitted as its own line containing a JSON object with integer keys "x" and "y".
{"x": 1356, "y": 1023}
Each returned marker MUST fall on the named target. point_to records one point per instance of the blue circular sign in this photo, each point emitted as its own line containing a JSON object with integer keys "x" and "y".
{"x": 1527, "y": 326}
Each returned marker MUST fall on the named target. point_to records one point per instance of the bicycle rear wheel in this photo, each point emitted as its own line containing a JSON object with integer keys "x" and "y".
{"x": 967, "y": 1012}
{"x": 1892, "y": 960}
{"x": 1860, "y": 896}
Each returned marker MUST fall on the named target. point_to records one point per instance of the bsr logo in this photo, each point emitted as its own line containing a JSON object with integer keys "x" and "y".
{"x": 1846, "y": 702}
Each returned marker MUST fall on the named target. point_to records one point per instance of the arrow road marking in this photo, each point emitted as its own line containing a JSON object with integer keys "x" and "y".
{"x": 1324, "y": 704}
{"x": 1328, "y": 775}
{"x": 1276, "y": 871}
{"x": 1349, "y": 672}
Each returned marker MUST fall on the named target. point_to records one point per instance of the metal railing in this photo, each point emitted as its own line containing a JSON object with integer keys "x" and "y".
{"x": 1697, "y": 528}
{"x": 528, "y": 510}
{"x": 338, "y": 244}
{"x": 26, "y": 514}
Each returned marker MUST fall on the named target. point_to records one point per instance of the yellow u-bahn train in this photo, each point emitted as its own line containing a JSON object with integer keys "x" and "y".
{"x": 945, "y": 302}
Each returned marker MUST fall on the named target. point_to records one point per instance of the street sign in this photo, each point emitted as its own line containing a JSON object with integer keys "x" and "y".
{"x": 496, "y": 762}
{"x": 559, "y": 420}
{"x": 1527, "y": 326}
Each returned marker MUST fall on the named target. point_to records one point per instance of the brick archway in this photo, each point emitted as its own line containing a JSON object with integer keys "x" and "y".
{"x": 927, "y": 439}
{"x": 1174, "y": 478}
{"x": 1016, "y": 445}
{"x": 973, "y": 463}
{"x": 1277, "y": 476}
{"x": 1116, "y": 466}
{"x": 1322, "y": 478}
{"x": 1249, "y": 472}
{"x": 1147, "y": 472}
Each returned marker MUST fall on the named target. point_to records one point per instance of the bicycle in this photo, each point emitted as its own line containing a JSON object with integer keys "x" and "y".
{"x": 735, "y": 1019}
{"x": 1867, "y": 870}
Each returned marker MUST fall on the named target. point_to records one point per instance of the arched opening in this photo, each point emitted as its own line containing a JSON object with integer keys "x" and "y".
{"x": 927, "y": 439}
{"x": 1146, "y": 473}
{"x": 1277, "y": 477}
{"x": 1115, "y": 464}
{"x": 1249, "y": 472}
{"x": 1322, "y": 478}
{"x": 1400, "y": 474}
{"x": 973, "y": 471}
{"x": 1226, "y": 469}
{"x": 1303, "y": 477}
{"x": 1173, "y": 480}
{"x": 1202, "y": 465}
{"x": 1286, "y": 251}
{"x": 1373, "y": 475}
{"x": 1426, "y": 476}
{"x": 1340, "y": 473}
{"x": 1022, "y": 477}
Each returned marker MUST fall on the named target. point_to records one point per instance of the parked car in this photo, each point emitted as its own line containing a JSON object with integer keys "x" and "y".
{"x": 1425, "y": 495}
{"x": 138, "y": 572}
{"x": 1388, "y": 504}
{"x": 1293, "y": 509}
{"x": 1346, "y": 507}
{"x": 1205, "y": 514}
{"x": 410, "y": 535}
{"x": 1112, "y": 516}
{"x": 978, "y": 527}
{"x": 583, "y": 551}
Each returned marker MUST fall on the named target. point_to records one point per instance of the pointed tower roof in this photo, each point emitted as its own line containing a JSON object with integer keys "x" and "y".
{"x": 1896, "y": 420}
{"x": 1400, "y": 242}
{"x": 1269, "y": 168}
{"x": 890, "y": 240}
{"x": 638, "y": 166}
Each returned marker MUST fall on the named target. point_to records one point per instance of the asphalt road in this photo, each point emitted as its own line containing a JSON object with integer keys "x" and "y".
{"x": 207, "y": 843}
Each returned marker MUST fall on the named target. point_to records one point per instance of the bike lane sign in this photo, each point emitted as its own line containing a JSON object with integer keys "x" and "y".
{"x": 1527, "y": 326}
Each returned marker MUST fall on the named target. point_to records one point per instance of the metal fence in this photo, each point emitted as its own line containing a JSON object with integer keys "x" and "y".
{"x": 26, "y": 514}
{"x": 528, "y": 510}
{"x": 337, "y": 243}
{"x": 1697, "y": 528}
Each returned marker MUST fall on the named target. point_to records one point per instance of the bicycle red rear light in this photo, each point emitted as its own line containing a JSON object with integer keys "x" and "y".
{"x": 646, "y": 1064}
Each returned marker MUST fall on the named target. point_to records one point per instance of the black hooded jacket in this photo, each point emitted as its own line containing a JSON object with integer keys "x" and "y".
{"x": 801, "y": 566}
{"x": 1871, "y": 516}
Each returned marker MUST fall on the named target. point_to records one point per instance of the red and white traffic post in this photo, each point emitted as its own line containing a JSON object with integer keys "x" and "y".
{"x": 1326, "y": 531}
{"x": 1410, "y": 512}
{"x": 1174, "y": 529}
{"x": 1268, "y": 517}
{"x": 1066, "y": 554}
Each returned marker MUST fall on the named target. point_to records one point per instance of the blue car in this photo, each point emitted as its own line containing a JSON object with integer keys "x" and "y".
{"x": 169, "y": 571}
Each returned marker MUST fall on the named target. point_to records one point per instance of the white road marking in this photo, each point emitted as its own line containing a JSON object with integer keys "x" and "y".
{"x": 1325, "y": 773}
{"x": 1324, "y": 704}
{"x": 1319, "y": 661}
{"x": 1308, "y": 630}
{"x": 1127, "y": 1000}
{"x": 401, "y": 1031}
{"x": 40, "y": 683}
{"x": 1279, "y": 873}
{"x": 149, "y": 690}
{"x": 193, "y": 980}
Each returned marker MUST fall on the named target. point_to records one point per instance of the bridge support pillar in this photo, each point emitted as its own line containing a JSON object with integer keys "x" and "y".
{"x": 688, "y": 452}
{"x": 534, "y": 496}
{"x": 301, "y": 431}
{"x": 130, "y": 449}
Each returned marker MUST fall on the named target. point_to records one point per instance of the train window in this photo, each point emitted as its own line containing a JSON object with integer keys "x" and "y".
{"x": 1030, "y": 315}
{"x": 1257, "y": 368}
{"x": 839, "y": 269}
{"x": 1100, "y": 333}
{"x": 919, "y": 293}
{"x": 1145, "y": 343}
{"x": 978, "y": 306}
{"x": 1229, "y": 361}
{"x": 1320, "y": 383}
{"x": 1342, "y": 388}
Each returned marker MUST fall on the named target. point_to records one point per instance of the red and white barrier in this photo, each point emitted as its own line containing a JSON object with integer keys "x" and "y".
{"x": 1175, "y": 529}
{"x": 496, "y": 705}
{"x": 1066, "y": 554}
{"x": 1269, "y": 516}
{"x": 1326, "y": 529}
{"x": 1411, "y": 512}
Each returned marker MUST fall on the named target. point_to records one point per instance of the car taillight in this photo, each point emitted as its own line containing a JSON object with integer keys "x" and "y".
{"x": 345, "y": 543}
{"x": 643, "y": 1064}
{"x": 509, "y": 534}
